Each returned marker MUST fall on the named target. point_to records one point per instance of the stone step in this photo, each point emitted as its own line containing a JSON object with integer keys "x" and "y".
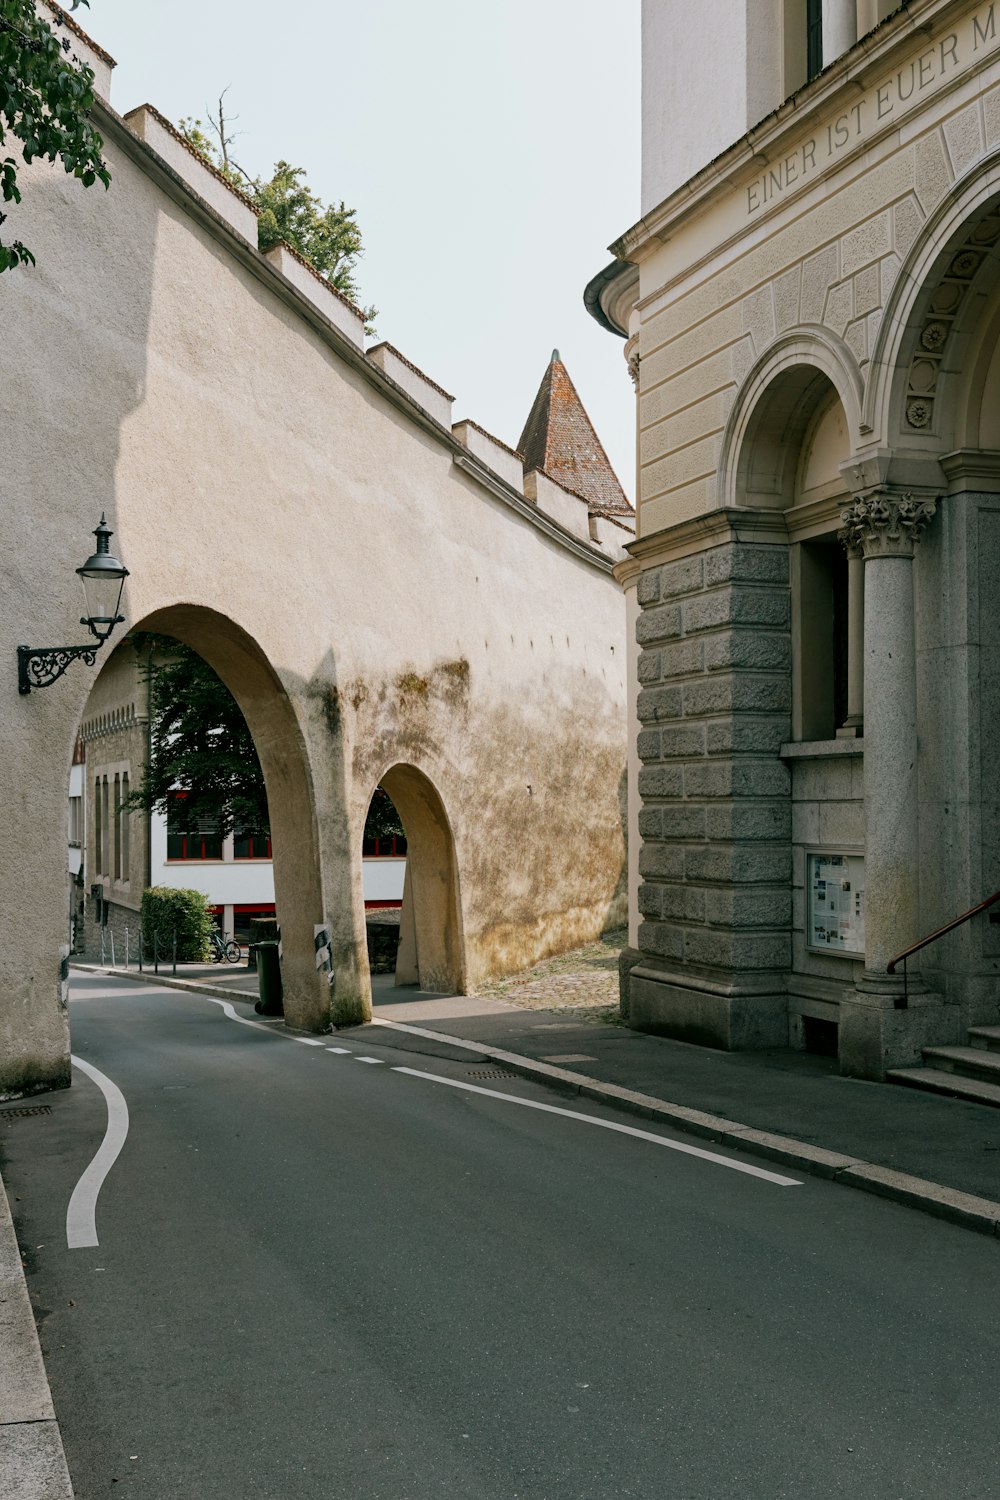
{"x": 970, "y": 1062}
{"x": 987, "y": 1037}
{"x": 937, "y": 1081}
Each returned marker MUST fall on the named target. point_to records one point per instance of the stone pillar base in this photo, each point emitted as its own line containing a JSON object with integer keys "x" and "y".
{"x": 628, "y": 959}
{"x": 873, "y": 1036}
{"x": 730, "y": 1017}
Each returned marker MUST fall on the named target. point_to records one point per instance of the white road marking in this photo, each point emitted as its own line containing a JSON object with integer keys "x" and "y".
{"x": 344, "y": 1051}
{"x": 308, "y": 1041}
{"x": 529, "y": 1104}
{"x": 81, "y": 1225}
{"x": 642, "y": 1135}
{"x": 243, "y": 1020}
{"x": 377, "y": 1060}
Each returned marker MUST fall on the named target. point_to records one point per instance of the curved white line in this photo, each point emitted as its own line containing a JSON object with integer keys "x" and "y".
{"x": 243, "y": 1020}
{"x": 81, "y": 1227}
{"x": 642, "y": 1135}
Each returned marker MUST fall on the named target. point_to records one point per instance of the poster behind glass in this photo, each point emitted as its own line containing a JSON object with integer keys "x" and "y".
{"x": 835, "y": 892}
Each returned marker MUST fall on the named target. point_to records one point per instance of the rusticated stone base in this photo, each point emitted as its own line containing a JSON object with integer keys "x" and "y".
{"x": 730, "y": 1017}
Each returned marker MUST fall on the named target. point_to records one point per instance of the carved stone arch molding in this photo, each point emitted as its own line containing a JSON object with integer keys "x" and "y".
{"x": 798, "y": 360}
{"x": 933, "y": 313}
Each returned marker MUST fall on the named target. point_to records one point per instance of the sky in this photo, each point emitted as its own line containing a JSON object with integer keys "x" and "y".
{"x": 491, "y": 152}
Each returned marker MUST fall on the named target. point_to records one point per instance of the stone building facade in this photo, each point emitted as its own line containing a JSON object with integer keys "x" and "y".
{"x": 394, "y": 601}
{"x": 811, "y": 303}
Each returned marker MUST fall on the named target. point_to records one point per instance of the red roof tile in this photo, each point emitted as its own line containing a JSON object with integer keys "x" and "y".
{"x": 559, "y": 438}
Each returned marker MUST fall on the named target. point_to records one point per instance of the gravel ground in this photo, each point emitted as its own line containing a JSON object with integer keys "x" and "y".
{"x": 583, "y": 982}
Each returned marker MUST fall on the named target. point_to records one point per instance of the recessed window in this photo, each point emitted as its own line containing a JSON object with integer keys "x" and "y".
{"x": 251, "y": 844}
{"x": 98, "y": 828}
{"x": 203, "y": 841}
{"x": 821, "y": 642}
{"x": 118, "y": 827}
{"x": 126, "y": 847}
{"x": 814, "y": 38}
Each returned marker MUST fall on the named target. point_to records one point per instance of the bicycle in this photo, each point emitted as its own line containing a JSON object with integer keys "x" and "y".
{"x": 224, "y": 949}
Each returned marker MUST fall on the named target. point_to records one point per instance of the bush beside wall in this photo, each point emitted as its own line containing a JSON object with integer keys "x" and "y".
{"x": 166, "y": 911}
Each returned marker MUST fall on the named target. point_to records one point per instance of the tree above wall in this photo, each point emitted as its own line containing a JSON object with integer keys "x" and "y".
{"x": 46, "y": 95}
{"x": 288, "y": 211}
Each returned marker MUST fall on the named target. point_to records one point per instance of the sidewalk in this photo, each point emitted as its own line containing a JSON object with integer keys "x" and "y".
{"x": 559, "y": 1022}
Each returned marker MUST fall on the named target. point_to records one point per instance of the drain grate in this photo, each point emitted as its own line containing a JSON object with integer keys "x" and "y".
{"x": 489, "y": 1073}
{"x": 33, "y": 1109}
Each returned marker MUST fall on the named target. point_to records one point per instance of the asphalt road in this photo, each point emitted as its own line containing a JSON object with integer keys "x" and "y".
{"x": 318, "y": 1276}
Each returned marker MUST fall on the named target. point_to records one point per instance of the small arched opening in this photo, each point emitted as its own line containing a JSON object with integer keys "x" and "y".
{"x": 421, "y": 873}
{"x": 794, "y": 442}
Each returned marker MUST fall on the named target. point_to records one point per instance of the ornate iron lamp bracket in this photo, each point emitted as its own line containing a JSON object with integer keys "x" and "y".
{"x": 39, "y": 667}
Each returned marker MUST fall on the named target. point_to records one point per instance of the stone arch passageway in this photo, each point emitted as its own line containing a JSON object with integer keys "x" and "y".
{"x": 430, "y": 944}
{"x": 271, "y": 718}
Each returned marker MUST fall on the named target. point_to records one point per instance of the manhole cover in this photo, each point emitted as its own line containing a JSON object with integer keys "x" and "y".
{"x": 33, "y": 1109}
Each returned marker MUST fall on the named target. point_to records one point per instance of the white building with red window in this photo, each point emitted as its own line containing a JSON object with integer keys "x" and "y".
{"x": 237, "y": 876}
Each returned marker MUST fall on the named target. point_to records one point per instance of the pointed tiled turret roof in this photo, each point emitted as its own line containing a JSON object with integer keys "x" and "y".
{"x": 559, "y": 438}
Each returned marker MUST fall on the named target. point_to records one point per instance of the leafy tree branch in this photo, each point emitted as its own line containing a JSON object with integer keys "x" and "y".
{"x": 46, "y": 95}
{"x": 199, "y": 745}
{"x": 327, "y": 235}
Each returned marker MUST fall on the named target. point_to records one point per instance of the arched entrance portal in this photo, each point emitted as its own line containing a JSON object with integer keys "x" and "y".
{"x": 271, "y": 719}
{"x": 431, "y": 952}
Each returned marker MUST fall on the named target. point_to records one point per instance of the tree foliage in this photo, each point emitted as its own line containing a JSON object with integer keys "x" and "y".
{"x": 45, "y": 99}
{"x": 169, "y": 915}
{"x": 383, "y": 821}
{"x": 327, "y": 235}
{"x": 200, "y": 745}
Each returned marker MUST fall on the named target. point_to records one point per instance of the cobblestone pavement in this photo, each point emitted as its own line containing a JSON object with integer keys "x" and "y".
{"x": 584, "y": 981}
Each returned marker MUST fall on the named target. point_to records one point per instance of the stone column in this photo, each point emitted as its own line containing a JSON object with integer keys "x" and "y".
{"x": 876, "y": 1030}
{"x": 840, "y": 28}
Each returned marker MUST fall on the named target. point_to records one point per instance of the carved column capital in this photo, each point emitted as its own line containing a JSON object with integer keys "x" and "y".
{"x": 881, "y": 524}
{"x": 632, "y": 360}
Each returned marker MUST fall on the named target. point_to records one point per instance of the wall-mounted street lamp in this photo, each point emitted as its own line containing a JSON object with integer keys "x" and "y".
{"x": 103, "y": 578}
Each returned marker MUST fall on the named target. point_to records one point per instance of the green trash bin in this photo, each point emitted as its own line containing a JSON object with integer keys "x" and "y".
{"x": 269, "y": 984}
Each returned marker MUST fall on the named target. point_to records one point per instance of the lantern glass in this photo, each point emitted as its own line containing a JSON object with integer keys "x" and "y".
{"x": 102, "y": 592}
{"x": 103, "y": 578}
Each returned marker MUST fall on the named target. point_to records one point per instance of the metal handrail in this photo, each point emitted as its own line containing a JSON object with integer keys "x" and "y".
{"x": 973, "y": 911}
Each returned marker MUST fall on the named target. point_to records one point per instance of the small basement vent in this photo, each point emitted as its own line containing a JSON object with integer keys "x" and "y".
{"x": 33, "y": 1109}
{"x": 820, "y": 1037}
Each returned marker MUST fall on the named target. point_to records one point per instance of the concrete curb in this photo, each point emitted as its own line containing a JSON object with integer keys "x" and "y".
{"x": 32, "y": 1461}
{"x": 194, "y": 986}
{"x": 964, "y": 1209}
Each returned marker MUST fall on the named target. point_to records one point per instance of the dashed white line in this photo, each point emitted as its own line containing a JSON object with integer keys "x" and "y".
{"x": 552, "y": 1109}
{"x": 81, "y": 1215}
{"x": 642, "y": 1135}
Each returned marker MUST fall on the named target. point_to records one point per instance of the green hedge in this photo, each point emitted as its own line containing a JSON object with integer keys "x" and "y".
{"x": 166, "y": 911}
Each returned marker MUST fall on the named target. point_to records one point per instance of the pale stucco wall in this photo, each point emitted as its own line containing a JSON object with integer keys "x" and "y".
{"x": 368, "y": 600}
